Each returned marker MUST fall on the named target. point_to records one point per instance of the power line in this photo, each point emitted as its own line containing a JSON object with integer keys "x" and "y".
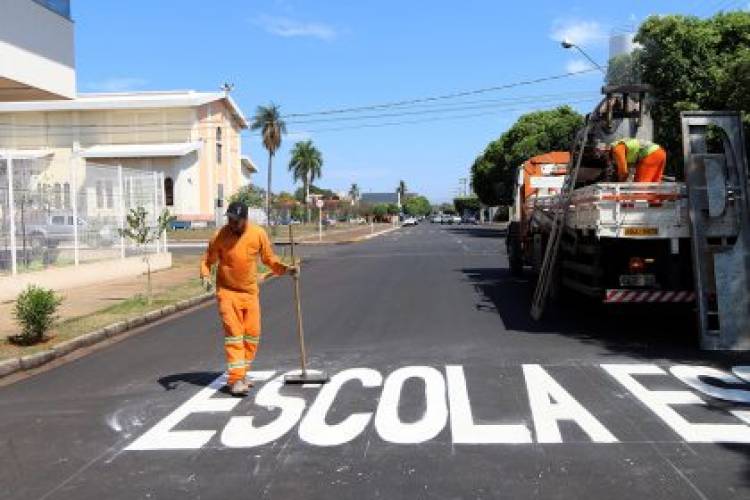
{"x": 453, "y": 95}
{"x": 411, "y": 113}
{"x": 423, "y": 120}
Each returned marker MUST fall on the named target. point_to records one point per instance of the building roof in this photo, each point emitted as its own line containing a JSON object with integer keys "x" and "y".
{"x": 248, "y": 163}
{"x": 163, "y": 150}
{"x": 128, "y": 100}
{"x": 377, "y": 198}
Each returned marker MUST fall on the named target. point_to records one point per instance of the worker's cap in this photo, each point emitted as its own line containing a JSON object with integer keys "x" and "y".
{"x": 237, "y": 210}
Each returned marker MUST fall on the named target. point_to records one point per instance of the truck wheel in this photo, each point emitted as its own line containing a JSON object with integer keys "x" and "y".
{"x": 513, "y": 245}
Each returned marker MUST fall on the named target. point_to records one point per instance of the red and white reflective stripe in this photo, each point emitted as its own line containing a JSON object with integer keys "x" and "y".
{"x": 620, "y": 296}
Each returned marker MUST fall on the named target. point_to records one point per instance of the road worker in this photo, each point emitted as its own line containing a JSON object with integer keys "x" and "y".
{"x": 236, "y": 248}
{"x": 639, "y": 161}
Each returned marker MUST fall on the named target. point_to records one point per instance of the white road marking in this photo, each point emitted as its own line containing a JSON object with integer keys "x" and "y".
{"x": 446, "y": 399}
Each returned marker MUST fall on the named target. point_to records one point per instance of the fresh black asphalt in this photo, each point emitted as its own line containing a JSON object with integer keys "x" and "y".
{"x": 430, "y": 296}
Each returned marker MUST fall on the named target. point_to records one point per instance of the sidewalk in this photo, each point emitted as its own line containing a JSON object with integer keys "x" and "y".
{"x": 82, "y": 301}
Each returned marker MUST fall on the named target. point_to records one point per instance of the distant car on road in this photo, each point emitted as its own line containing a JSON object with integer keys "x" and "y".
{"x": 409, "y": 221}
{"x": 329, "y": 222}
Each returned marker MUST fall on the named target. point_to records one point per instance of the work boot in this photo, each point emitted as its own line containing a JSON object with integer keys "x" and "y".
{"x": 239, "y": 388}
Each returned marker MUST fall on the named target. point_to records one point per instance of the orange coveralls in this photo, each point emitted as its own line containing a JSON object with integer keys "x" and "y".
{"x": 237, "y": 291}
{"x": 649, "y": 169}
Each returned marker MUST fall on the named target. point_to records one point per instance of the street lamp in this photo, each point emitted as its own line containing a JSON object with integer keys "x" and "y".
{"x": 567, "y": 44}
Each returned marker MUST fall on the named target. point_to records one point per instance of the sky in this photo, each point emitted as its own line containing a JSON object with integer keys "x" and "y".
{"x": 311, "y": 56}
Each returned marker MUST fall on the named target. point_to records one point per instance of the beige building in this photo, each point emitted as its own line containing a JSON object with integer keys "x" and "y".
{"x": 192, "y": 139}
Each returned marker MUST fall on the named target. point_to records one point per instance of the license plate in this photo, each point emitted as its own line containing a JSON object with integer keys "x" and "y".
{"x": 641, "y": 231}
{"x": 637, "y": 280}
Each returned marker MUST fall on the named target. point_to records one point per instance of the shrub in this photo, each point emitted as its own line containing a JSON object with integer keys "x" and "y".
{"x": 35, "y": 313}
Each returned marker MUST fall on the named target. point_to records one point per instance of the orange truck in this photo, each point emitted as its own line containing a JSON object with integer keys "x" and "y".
{"x": 622, "y": 242}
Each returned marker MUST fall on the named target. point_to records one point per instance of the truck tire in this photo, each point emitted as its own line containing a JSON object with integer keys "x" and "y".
{"x": 513, "y": 247}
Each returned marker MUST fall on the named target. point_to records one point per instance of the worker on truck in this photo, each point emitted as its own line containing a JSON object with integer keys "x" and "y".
{"x": 645, "y": 158}
{"x": 236, "y": 248}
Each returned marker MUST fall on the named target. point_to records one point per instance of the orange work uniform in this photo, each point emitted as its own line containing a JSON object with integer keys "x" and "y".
{"x": 649, "y": 160}
{"x": 237, "y": 290}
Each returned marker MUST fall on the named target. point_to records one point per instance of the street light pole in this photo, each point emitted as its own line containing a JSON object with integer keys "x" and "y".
{"x": 567, "y": 44}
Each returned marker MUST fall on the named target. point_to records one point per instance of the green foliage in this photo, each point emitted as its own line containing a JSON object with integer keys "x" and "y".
{"x": 354, "y": 192}
{"x": 299, "y": 194}
{"x": 624, "y": 69}
{"x": 250, "y": 195}
{"x": 447, "y": 208}
{"x": 268, "y": 120}
{"x": 139, "y": 232}
{"x": 417, "y": 205}
{"x": 492, "y": 173}
{"x": 467, "y": 204}
{"x": 380, "y": 211}
{"x": 306, "y": 163}
{"x": 35, "y": 312}
{"x": 694, "y": 64}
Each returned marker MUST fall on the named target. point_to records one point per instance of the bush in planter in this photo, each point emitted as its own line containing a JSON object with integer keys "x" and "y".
{"x": 35, "y": 312}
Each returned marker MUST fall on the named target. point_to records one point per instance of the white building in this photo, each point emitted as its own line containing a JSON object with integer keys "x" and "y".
{"x": 191, "y": 139}
{"x": 37, "y": 57}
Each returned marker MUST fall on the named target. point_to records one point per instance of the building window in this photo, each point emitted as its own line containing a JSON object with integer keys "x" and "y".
{"x": 99, "y": 195}
{"x": 66, "y": 195}
{"x": 57, "y": 196}
{"x": 169, "y": 192}
{"x": 219, "y": 146}
{"x": 110, "y": 194}
{"x": 105, "y": 194}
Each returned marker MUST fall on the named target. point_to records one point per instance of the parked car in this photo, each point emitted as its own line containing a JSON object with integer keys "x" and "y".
{"x": 357, "y": 220}
{"x": 456, "y": 219}
{"x": 469, "y": 219}
{"x": 409, "y": 221}
{"x": 329, "y": 222}
{"x": 56, "y": 229}
{"x": 436, "y": 219}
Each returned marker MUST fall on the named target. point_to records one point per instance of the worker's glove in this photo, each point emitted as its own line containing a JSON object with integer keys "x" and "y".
{"x": 206, "y": 282}
{"x": 293, "y": 270}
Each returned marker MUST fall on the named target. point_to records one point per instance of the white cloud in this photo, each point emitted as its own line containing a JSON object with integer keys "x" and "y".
{"x": 286, "y": 27}
{"x": 578, "y": 31}
{"x": 117, "y": 84}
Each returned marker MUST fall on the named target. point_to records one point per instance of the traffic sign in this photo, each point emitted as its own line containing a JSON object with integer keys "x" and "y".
{"x": 319, "y": 203}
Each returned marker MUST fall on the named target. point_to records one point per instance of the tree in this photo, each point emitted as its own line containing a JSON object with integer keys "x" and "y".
{"x": 380, "y": 211}
{"x": 467, "y": 204}
{"x": 493, "y": 172}
{"x": 268, "y": 120}
{"x": 354, "y": 192}
{"x": 401, "y": 190}
{"x": 252, "y": 196}
{"x": 694, "y": 64}
{"x": 417, "y": 205}
{"x": 306, "y": 164}
{"x": 624, "y": 69}
{"x": 139, "y": 232}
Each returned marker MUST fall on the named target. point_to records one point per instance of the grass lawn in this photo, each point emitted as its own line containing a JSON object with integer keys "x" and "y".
{"x": 126, "y": 309}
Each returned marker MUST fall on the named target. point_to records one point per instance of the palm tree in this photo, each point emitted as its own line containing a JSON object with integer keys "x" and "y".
{"x": 268, "y": 120}
{"x": 354, "y": 192}
{"x": 401, "y": 190}
{"x": 305, "y": 165}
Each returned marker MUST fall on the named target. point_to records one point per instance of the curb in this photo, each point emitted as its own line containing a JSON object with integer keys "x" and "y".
{"x": 30, "y": 361}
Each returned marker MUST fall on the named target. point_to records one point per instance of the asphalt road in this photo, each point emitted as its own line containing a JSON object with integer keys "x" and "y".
{"x": 442, "y": 388}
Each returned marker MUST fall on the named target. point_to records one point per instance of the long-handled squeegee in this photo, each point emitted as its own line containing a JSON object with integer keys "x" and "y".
{"x": 304, "y": 376}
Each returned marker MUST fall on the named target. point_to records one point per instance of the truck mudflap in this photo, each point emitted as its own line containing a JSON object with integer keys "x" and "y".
{"x": 626, "y": 296}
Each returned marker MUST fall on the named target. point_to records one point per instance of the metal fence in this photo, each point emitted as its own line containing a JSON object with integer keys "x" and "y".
{"x": 57, "y": 220}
